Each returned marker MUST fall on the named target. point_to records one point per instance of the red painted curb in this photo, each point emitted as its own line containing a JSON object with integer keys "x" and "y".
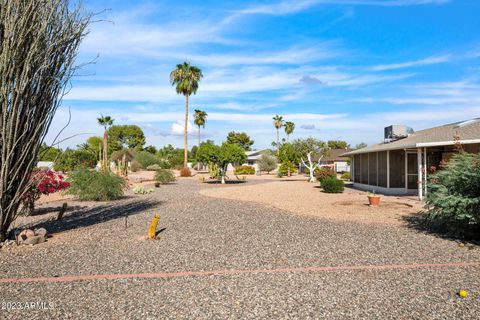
{"x": 70, "y": 278}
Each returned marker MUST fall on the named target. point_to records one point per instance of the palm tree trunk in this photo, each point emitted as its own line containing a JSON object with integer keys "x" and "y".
{"x": 105, "y": 150}
{"x": 185, "y": 138}
{"x": 199, "y": 136}
{"x": 278, "y": 144}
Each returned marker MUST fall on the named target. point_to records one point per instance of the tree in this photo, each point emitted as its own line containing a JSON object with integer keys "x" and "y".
{"x": 47, "y": 153}
{"x": 39, "y": 42}
{"x": 71, "y": 160}
{"x": 186, "y": 78}
{"x": 105, "y": 122}
{"x": 240, "y": 138}
{"x": 360, "y": 145}
{"x": 289, "y": 156}
{"x": 278, "y": 123}
{"x": 200, "y": 118}
{"x": 126, "y": 136}
{"x": 93, "y": 144}
{"x": 150, "y": 149}
{"x": 267, "y": 162}
{"x": 289, "y": 128}
{"x": 313, "y": 151}
{"x": 337, "y": 144}
{"x": 221, "y": 156}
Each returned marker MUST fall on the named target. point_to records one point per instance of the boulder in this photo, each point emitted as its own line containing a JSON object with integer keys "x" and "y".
{"x": 27, "y": 233}
{"x": 41, "y": 232}
{"x": 34, "y": 240}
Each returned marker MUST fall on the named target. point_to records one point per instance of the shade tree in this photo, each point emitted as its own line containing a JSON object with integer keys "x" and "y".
{"x": 221, "y": 156}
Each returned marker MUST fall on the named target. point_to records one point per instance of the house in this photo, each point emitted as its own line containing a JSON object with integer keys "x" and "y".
{"x": 252, "y": 159}
{"x": 401, "y": 164}
{"x": 336, "y": 160}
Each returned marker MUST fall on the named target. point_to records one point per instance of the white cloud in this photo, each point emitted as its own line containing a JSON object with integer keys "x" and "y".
{"x": 178, "y": 128}
{"x": 415, "y": 63}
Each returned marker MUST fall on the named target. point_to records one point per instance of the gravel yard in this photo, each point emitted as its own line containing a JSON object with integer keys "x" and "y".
{"x": 203, "y": 233}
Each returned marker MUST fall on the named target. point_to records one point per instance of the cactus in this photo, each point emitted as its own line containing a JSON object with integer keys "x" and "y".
{"x": 153, "y": 226}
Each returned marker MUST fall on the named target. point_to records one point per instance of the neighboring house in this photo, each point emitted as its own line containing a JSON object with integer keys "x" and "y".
{"x": 397, "y": 166}
{"x": 252, "y": 159}
{"x": 336, "y": 160}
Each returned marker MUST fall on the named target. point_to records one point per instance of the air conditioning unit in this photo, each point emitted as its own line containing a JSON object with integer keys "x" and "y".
{"x": 396, "y": 132}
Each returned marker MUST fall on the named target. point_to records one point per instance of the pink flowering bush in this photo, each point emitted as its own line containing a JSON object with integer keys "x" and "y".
{"x": 42, "y": 182}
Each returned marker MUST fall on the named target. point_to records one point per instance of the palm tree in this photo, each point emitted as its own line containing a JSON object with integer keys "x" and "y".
{"x": 200, "y": 118}
{"x": 278, "y": 123}
{"x": 289, "y": 128}
{"x": 186, "y": 78}
{"x": 105, "y": 122}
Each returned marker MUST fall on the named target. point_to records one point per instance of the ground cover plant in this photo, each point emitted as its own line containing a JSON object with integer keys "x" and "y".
{"x": 89, "y": 185}
{"x": 453, "y": 199}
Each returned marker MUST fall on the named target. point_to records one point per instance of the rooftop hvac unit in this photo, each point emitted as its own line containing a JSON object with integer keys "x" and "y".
{"x": 396, "y": 132}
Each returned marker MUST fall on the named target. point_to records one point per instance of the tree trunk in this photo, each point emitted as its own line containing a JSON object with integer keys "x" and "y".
{"x": 185, "y": 138}
{"x": 105, "y": 151}
{"x": 278, "y": 144}
{"x": 199, "y": 136}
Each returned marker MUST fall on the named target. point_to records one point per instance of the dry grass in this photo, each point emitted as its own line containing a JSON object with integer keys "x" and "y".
{"x": 300, "y": 197}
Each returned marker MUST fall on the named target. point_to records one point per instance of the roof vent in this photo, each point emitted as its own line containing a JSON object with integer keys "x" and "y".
{"x": 396, "y": 132}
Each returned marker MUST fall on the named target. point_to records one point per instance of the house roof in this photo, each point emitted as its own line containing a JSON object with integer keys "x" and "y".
{"x": 335, "y": 155}
{"x": 467, "y": 132}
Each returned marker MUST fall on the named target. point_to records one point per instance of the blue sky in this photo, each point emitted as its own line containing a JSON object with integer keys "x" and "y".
{"x": 339, "y": 69}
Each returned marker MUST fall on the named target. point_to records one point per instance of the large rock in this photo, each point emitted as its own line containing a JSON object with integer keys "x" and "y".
{"x": 34, "y": 240}
{"x": 41, "y": 232}
{"x": 27, "y": 233}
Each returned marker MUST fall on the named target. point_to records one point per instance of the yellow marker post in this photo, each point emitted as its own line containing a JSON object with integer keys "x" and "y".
{"x": 153, "y": 226}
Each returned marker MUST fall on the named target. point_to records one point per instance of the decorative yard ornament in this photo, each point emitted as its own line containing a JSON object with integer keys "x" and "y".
{"x": 152, "y": 231}
{"x": 312, "y": 166}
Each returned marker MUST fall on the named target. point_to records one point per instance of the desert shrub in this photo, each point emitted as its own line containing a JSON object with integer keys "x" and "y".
{"x": 346, "y": 176}
{"x": 283, "y": 170}
{"x": 267, "y": 163}
{"x": 147, "y": 159}
{"x": 154, "y": 167}
{"x": 135, "y": 166}
{"x": 185, "y": 172}
{"x": 244, "y": 170}
{"x": 454, "y": 195}
{"x": 96, "y": 186}
{"x": 333, "y": 185}
{"x": 322, "y": 174}
{"x": 142, "y": 190}
{"x": 72, "y": 160}
{"x": 164, "y": 176}
{"x": 213, "y": 170}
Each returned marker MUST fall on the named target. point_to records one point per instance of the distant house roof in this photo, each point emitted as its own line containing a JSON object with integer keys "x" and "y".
{"x": 467, "y": 132}
{"x": 255, "y": 155}
{"x": 335, "y": 155}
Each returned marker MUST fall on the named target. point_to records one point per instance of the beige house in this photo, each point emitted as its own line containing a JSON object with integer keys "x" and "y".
{"x": 401, "y": 164}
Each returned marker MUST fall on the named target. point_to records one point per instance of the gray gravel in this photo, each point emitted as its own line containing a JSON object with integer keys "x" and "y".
{"x": 213, "y": 234}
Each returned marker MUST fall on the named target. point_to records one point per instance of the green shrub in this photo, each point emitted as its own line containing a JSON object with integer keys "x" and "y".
{"x": 154, "y": 167}
{"x": 185, "y": 172}
{"x": 346, "y": 176}
{"x": 321, "y": 174}
{"x": 333, "y": 185}
{"x": 244, "y": 170}
{"x": 118, "y": 155}
{"x": 453, "y": 199}
{"x": 72, "y": 160}
{"x": 164, "y": 176}
{"x": 147, "y": 159}
{"x": 96, "y": 186}
{"x": 135, "y": 166}
{"x": 283, "y": 169}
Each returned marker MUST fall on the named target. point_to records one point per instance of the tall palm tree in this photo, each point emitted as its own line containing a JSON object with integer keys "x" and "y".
{"x": 278, "y": 123}
{"x": 186, "y": 78}
{"x": 289, "y": 128}
{"x": 105, "y": 122}
{"x": 200, "y": 118}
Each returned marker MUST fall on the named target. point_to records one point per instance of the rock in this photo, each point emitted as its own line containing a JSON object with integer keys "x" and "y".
{"x": 27, "y": 233}
{"x": 34, "y": 240}
{"x": 41, "y": 232}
